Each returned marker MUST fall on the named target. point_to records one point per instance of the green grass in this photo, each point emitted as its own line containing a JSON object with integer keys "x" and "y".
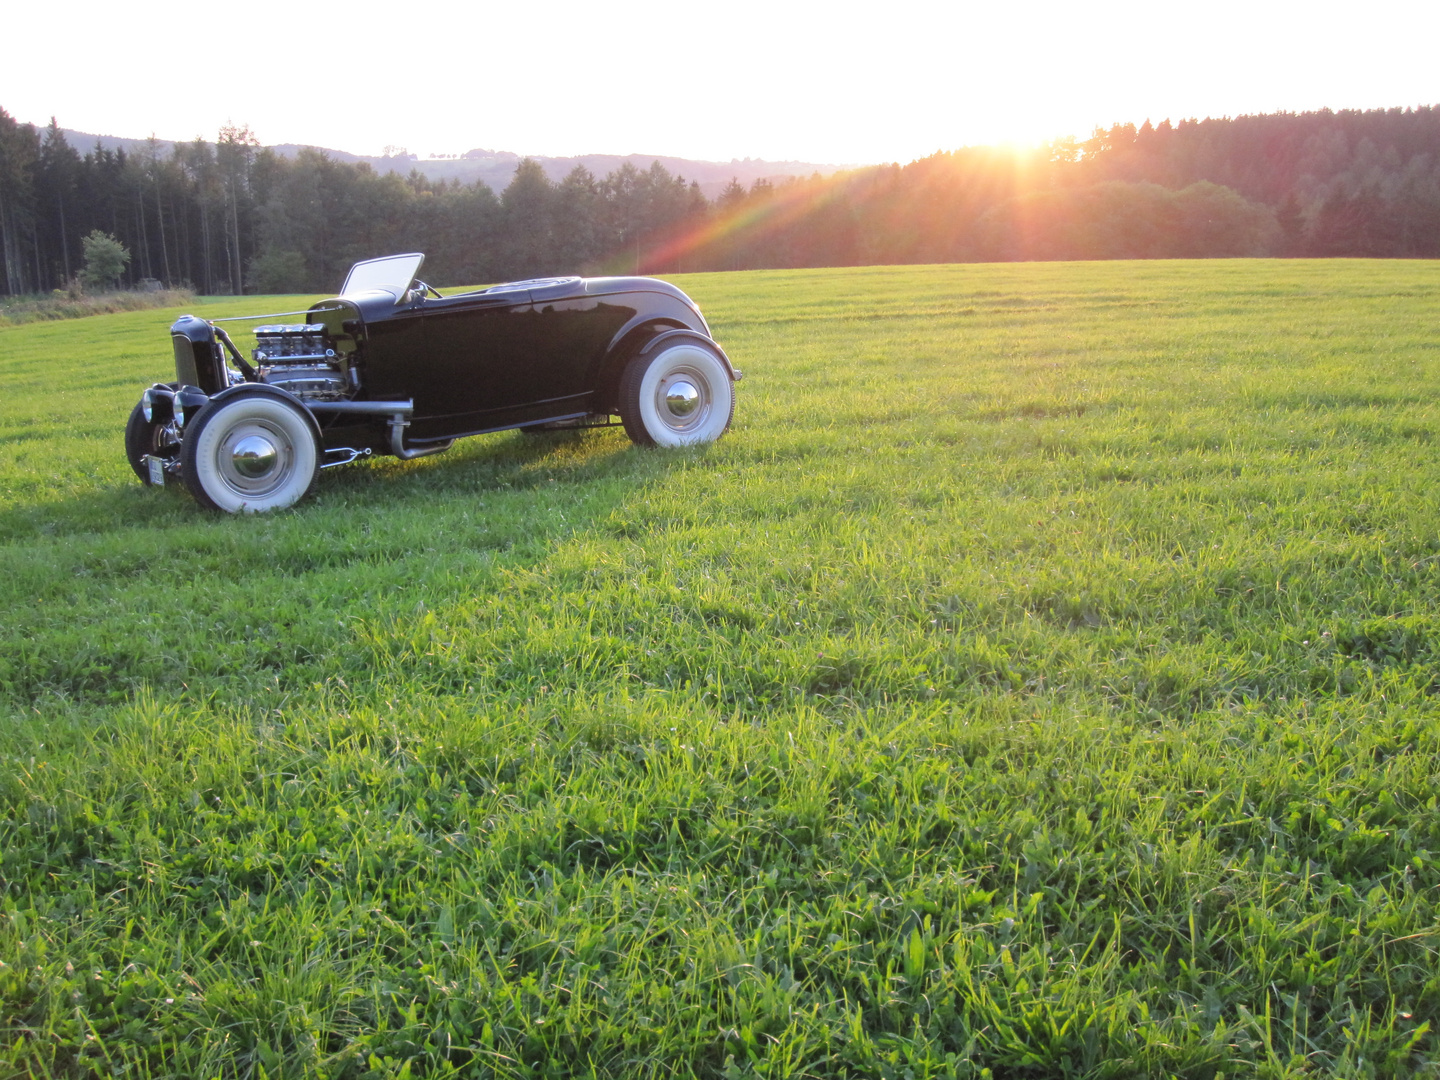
{"x": 1039, "y": 678}
{"x": 59, "y": 305}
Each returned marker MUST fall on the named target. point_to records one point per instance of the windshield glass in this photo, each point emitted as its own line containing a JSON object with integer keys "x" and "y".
{"x": 393, "y": 274}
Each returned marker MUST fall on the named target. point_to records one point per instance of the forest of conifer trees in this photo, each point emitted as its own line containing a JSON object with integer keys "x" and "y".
{"x": 232, "y": 216}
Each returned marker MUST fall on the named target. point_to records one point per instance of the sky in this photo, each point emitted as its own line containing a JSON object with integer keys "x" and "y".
{"x": 837, "y": 83}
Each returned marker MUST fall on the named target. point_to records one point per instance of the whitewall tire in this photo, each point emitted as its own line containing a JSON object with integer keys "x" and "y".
{"x": 248, "y": 453}
{"x": 681, "y": 395}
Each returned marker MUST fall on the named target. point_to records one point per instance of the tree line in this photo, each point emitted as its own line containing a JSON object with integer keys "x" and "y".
{"x": 232, "y": 216}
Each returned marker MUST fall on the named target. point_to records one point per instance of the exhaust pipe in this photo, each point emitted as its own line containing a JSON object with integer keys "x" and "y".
{"x": 399, "y": 412}
{"x": 398, "y": 423}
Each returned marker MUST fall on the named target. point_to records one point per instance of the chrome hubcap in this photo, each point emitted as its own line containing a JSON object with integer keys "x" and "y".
{"x": 254, "y": 456}
{"x": 681, "y": 398}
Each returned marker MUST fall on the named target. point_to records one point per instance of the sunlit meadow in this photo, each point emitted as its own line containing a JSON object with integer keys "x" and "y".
{"x": 1039, "y": 678}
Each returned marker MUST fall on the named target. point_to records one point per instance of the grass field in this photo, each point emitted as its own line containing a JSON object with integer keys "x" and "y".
{"x": 1040, "y": 678}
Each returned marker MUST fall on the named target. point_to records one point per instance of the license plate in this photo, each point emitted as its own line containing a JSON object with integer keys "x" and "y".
{"x": 157, "y": 470}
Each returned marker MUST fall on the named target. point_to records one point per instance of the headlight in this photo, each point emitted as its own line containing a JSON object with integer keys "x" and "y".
{"x": 157, "y": 404}
{"x": 187, "y": 402}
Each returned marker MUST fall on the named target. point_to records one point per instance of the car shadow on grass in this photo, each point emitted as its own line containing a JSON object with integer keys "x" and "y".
{"x": 493, "y": 462}
{"x": 500, "y": 462}
{"x": 255, "y": 600}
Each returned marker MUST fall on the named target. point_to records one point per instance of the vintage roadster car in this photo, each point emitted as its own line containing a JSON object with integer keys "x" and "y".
{"x": 392, "y": 367}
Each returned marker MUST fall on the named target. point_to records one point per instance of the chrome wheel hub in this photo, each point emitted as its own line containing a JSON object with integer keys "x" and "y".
{"x": 681, "y": 398}
{"x": 254, "y": 456}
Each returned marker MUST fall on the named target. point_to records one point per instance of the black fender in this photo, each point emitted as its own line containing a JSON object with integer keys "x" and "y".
{"x": 645, "y": 341}
{"x": 669, "y": 337}
{"x": 655, "y": 311}
{"x": 270, "y": 391}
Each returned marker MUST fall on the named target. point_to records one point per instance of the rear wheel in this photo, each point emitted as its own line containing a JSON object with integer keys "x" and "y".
{"x": 680, "y": 396}
{"x": 248, "y": 453}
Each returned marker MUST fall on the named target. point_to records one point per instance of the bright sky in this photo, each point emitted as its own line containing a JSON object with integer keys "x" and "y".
{"x": 823, "y": 83}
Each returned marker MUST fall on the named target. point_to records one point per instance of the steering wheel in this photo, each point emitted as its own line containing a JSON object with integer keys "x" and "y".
{"x": 420, "y": 287}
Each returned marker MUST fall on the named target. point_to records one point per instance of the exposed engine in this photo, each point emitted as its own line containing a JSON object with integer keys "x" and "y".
{"x": 300, "y": 358}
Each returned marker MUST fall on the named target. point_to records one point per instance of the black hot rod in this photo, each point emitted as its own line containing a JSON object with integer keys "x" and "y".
{"x": 390, "y": 366}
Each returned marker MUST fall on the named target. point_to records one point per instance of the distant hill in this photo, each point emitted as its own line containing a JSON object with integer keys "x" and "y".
{"x": 496, "y": 167}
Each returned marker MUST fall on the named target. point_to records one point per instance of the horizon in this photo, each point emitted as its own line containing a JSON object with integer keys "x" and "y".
{"x": 405, "y": 153}
{"x": 860, "y": 91}
{"x": 439, "y": 156}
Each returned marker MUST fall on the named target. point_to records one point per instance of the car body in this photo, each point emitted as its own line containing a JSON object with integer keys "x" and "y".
{"x": 390, "y": 366}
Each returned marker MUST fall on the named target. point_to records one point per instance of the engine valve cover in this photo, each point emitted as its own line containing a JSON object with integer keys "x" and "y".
{"x": 291, "y": 341}
{"x": 299, "y": 357}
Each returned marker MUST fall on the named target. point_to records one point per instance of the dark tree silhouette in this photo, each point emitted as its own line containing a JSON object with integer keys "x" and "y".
{"x": 229, "y": 215}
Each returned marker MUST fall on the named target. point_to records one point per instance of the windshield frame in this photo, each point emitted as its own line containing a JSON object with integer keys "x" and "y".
{"x": 391, "y": 273}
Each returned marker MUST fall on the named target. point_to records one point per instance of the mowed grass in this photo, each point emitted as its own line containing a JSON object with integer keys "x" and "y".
{"x": 1039, "y": 678}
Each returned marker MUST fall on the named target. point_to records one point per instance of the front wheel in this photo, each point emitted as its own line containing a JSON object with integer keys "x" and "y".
{"x": 145, "y": 438}
{"x": 248, "y": 453}
{"x": 681, "y": 396}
